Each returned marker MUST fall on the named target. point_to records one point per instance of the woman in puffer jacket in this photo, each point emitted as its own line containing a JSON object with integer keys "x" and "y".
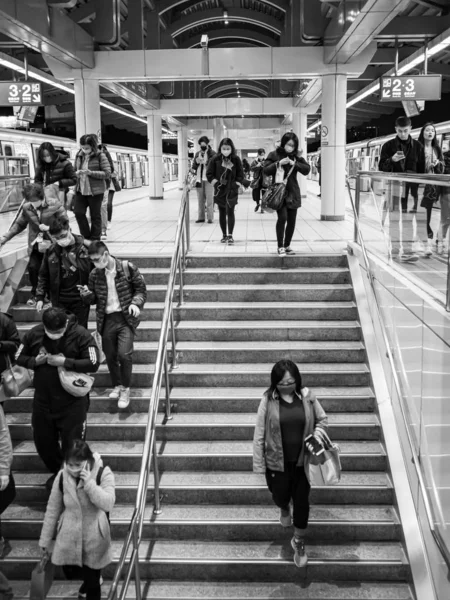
{"x": 82, "y": 496}
{"x": 288, "y": 414}
{"x": 54, "y": 169}
{"x": 93, "y": 172}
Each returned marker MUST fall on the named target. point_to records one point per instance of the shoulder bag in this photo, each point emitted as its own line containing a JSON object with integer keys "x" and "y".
{"x": 15, "y": 379}
{"x": 325, "y": 469}
{"x": 274, "y": 196}
{"x": 76, "y": 384}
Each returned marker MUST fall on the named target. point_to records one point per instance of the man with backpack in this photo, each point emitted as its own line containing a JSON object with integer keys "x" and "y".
{"x": 118, "y": 290}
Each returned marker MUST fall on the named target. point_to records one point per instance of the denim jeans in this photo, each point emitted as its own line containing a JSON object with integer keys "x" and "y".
{"x": 205, "y": 196}
{"x": 107, "y": 204}
{"x": 117, "y": 341}
{"x": 94, "y": 203}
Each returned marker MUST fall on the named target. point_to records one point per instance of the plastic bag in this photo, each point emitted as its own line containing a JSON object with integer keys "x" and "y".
{"x": 42, "y": 578}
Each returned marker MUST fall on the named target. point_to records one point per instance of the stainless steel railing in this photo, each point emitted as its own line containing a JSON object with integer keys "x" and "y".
{"x": 445, "y": 551}
{"x": 129, "y": 557}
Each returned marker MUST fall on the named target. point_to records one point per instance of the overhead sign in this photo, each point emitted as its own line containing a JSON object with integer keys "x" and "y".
{"x": 410, "y": 87}
{"x": 20, "y": 93}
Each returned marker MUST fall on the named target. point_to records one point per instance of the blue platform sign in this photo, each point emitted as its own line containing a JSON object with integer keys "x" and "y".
{"x": 20, "y": 93}
{"x": 410, "y": 87}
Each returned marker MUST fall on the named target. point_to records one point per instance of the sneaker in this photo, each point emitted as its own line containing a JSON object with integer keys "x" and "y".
{"x": 82, "y": 591}
{"x": 200, "y": 221}
{"x": 408, "y": 257}
{"x": 31, "y": 301}
{"x": 109, "y": 225}
{"x": 285, "y": 518}
{"x": 209, "y": 221}
{"x": 50, "y": 481}
{"x": 114, "y": 395}
{"x": 224, "y": 240}
{"x": 300, "y": 558}
{"x": 124, "y": 398}
{"x": 262, "y": 211}
{"x": 428, "y": 249}
{"x": 104, "y": 236}
{"x": 256, "y": 208}
{"x": 439, "y": 247}
{"x": 230, "y": 240}
{"x": 289, "y": 251}
{"x": 5, "y": 548}
{"x": 47, "y": 304}
{"x": 281, "y": 252}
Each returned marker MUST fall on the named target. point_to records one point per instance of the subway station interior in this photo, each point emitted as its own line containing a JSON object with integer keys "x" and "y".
{"x": 339, "y": 263}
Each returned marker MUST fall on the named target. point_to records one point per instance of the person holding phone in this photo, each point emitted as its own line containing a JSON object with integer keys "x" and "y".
{"x": 257, "y": 168}
{"x": 402, "y": 154}
{"x": 82, "y": 496}
{"x": 205, "y": 191}
{"x": 288, "y": 415}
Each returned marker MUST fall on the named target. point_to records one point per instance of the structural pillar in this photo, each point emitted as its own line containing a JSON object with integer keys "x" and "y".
{"x": 87, "y": 108}
{"x": 183, "y": 162}
{"x": 300, "y": 125}
{"x": 219, "y": 134}
{"x": 333, "y": 138}
{"x": 155, "y": 162}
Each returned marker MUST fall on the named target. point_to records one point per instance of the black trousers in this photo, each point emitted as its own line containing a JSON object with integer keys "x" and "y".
{"x": 34, "y": 266}
{"x": 49, "y": 429}
{"x": 117, "y": 342}
{"x": 285, "y": 226}
{"x": 110, "y": 204}
{"x": 413, "y": 189}
{"x": 94, "y": 203}
{"x": 287, "y": 485}
{"x": 79, "y": 309}
{"x": 226, "y": 214}
{"x": 256, "y": 195}
{"x": 91, "y": 579}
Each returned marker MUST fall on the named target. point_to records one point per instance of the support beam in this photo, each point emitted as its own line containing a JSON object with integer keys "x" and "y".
{"x": 165, "y": 5}
{"x": 386, "y": 56}
{"x": 230, "y": 33}
{"x": 155, "y": 162}
{"x": 348, "y": 35}
{"x": 87, "y": 108}
{"x": 48, "y": 31}
{"x": 183, "y": 161}
{"x": 135, "y": 25}
{"x": 224, "y": 63}
{"x": 414, "y": 28}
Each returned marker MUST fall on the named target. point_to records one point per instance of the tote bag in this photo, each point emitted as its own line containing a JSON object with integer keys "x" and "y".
{"x": 42, "y": 578}
{"x": 274, "y": 196}
{"x": 15, "y": 379}
{"x": 324, "y": 470}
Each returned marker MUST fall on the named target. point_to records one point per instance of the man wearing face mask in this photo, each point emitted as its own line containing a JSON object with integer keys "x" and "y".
{"x": 37, "y": 212}
{"x": 205, "y": 190}
{"x": 57, "y": 342}
{"x": 119, "y": 291}
{"x": 65, "y": 267}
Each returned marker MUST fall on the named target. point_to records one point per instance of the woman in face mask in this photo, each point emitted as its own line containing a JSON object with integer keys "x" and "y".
{"x": 83, "y": 539}
{"x": 226, "y": 174}
{"x": 288, "y": 414}
{"x": 93, "y": 171}
{"x": 54, "y": 169}
{"x": 202, "y": 185}
{"x": 284, "y": 162}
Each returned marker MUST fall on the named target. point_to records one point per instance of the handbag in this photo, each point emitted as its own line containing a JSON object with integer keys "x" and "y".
{"x": 15, "y": 379}
{"x": 42, "y": 578}
{"x": 98, "y": 340}
{"x": 8, "y": 494}
{"x": 76, "y": 384}
{"x": 325, "y": 469}
{"x": 116, "y": 185}
{"x": 274, "y": 196}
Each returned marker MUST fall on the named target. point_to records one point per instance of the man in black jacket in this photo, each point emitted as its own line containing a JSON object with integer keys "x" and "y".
{"x": 57, "y": 342}
{"x": 64, "y": 270}
{"x": 205, "y": 191}
{"x": 401, "y": 155}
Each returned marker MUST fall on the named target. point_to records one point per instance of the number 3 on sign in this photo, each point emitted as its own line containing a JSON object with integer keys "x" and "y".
{"x": 409, "y": 86}
{"x": 13, "y": 91}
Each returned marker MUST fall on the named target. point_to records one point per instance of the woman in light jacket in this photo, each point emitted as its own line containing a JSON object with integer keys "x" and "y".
{"x": 93, "y": 171}
{"x": 285, "y": 157}
{"x": 287, "y": 415}
{"x": 82, "y": 495}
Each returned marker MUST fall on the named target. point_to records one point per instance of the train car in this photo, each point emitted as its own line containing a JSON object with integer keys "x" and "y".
{"x": 18, "y": 155}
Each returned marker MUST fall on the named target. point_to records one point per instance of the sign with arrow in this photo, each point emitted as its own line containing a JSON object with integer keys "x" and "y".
{"x": 20, "y": 93}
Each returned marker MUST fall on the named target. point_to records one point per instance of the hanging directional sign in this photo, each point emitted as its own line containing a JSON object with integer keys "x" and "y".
{"x": 410, "y": 87}
{"x": 20, "y": 93}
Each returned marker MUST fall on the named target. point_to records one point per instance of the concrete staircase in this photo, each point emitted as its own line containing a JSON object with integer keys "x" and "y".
{"x": 218, "y": 535}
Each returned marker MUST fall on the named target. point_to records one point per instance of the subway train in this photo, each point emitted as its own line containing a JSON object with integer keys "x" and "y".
{"x": 18, "y": 153}
{"x": 364, "y": 156}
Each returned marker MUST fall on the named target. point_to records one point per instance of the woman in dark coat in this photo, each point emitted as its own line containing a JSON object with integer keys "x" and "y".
{"x": 226, "y": 174}
{"x": 54, "y": 168}
{"x": 285, "y": 157}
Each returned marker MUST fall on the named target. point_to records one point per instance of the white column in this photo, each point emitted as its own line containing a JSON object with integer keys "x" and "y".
{"x": 155, "y": 164}
{"x": 182, "y": 156}
{"x": 334, "y": 99}
{"x": 87, "y": 108}
{"x": 218, "y": 134}
{"x": 299, "y": 125}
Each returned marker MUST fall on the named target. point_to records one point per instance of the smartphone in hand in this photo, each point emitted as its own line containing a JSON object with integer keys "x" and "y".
{"x": 317, "y": 448}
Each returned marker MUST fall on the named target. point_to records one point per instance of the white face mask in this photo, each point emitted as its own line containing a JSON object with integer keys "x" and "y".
{"x": 48, "y": 159}
{"x": 102, "y": 263}
{"x": 226, "y": 152}
{"x": 54, "y": 336}
{"x": 289, "y": 149}
{"x": 66, "y": 241}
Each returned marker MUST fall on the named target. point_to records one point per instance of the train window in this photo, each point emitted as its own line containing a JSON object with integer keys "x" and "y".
{"x": 8, "y": 150}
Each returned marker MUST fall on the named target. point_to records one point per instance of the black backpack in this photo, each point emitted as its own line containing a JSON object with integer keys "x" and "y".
{"x": 98, "y": 481}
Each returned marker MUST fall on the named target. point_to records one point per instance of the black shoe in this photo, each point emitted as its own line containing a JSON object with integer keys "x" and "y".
{"x": 200, "y": 221}
{"x": 49, "y": 482}
{"x": 256, "y": 208}
{"x": 5, "y": 548}
{"x": 230, "y": 239}
{"x": 82, "y": 591}
{"x": 224, "y": 240}
{"x": 319, "y": 195}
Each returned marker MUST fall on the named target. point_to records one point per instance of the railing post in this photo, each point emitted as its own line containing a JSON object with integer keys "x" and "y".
{"x": 357, "y": 204}
{"x": 448, "y": 282}
{"x": 181, "y": 299}
{"x": 183, "y": 253}
{"x": 174, "y": 342}
{"x": 157, "y": 509}
{"x": 137, "y": 575}
{"x": 188, "y": 221}
{"x": 166, "y": 378}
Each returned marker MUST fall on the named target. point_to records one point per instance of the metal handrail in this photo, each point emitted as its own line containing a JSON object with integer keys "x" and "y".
{"x": 415, "y": 459}
{"x": 149, "y": 454}
{"x": 436, "y": 179}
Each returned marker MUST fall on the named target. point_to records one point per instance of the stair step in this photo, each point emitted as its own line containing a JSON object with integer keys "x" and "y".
{"x": 215, "y": 399}
{"x": 230, "y": 331}
{"x": 197, "y": 426}
{"x": 224, "y": 590}
{"x": 239, "y": 311}
{"x": 223, "y": 487}
{"x": 245, "y": 561}
{"x": 227, "y": 522}
{"x": 188, "y": 456}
